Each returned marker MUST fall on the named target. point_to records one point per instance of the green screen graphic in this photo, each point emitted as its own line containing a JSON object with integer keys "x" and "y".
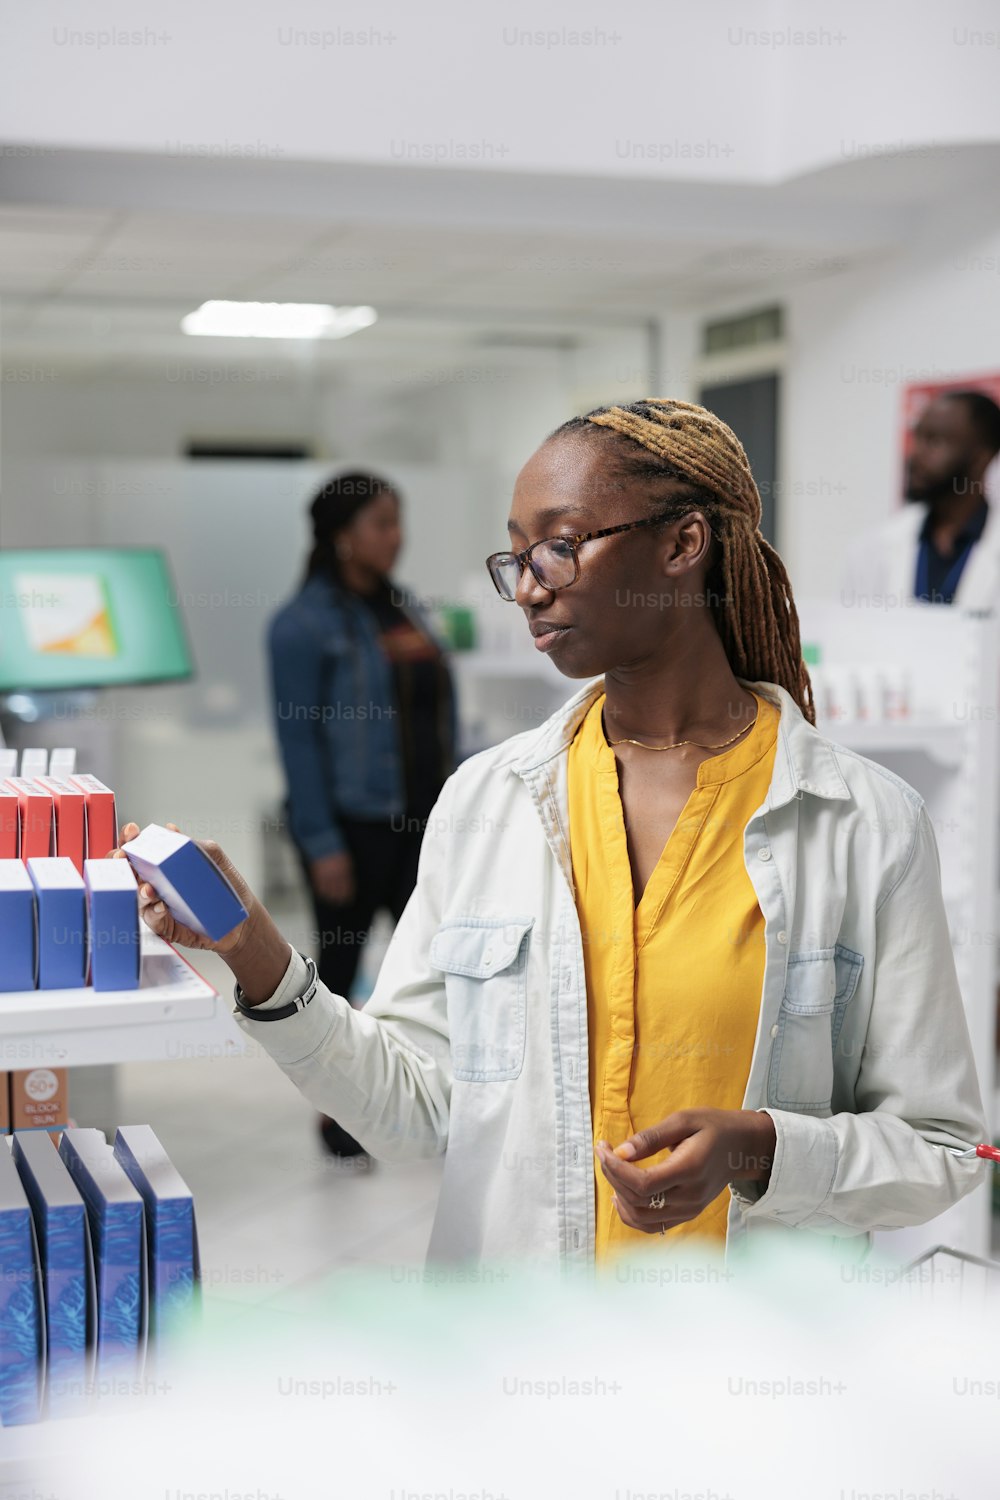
{"x": 88, "y": 617}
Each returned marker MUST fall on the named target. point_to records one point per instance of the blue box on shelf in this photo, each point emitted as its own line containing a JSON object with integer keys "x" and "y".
{"x": 117, "y": 1228}
{"x": 171, "y": 1232}
{"x": 18, "y": 950}
{"x": 62, "y": 954}
{"x": 63, "y": 1237}
{"x": 112, "y": 924}
{"x": 22, "y": 1329}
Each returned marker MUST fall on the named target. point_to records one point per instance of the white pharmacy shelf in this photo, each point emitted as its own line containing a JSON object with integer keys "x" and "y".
{"x": 175, "y": 1014}
{"x": 527, "y": 664}
{"x": 938, "y": 739}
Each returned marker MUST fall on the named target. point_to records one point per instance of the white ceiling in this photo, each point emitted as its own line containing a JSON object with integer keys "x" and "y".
{"x": 101, "y": 256}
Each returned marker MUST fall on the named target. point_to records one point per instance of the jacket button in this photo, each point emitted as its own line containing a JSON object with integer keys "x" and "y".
{"x": 764, "y": 853}
{"x": 782, "y": 936}
{"x": 487, "y": 955}
{"x": 774, "y": 1031}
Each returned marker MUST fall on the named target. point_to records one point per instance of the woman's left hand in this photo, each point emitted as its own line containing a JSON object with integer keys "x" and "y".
{"x": 709, "y": 1148}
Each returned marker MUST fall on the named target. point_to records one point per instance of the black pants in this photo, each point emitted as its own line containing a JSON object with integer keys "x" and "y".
{"x": 385, "y": 872}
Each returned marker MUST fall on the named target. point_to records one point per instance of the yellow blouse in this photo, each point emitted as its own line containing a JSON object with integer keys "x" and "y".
{"x": 673, "y": 984}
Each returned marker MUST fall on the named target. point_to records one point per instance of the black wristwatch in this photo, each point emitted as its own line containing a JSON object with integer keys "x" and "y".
{"x": 257, "y": 1012}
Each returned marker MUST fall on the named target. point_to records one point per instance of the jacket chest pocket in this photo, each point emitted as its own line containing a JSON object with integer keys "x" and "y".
{"x": 818, "y": 988}
{"x": 484, "y": 961}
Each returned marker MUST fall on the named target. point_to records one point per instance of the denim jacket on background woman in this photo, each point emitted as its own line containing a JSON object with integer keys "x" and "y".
{"x": 474, "y": 1042}
{"x": 335, "y": 711}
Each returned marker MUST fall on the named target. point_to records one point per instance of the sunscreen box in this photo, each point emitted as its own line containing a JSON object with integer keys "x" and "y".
{"x": 116, "y": 1217}
{"x": 61, "y": 924}
{"x": 112, "y": 924}
{"x": 35, "y": 814}
{"x": 39, "y": 1099}
{"x": 191, "y": 885}
{"x": 18, "y": 950}
{"x": 70, "y": 818}
{"x": 102, "y": 815}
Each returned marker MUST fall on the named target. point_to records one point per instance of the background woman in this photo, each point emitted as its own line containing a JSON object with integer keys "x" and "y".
{"x": 365, "y": 715}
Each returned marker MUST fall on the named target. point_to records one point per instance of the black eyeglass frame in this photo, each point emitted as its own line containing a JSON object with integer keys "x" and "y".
{"x": 523, "y": 559}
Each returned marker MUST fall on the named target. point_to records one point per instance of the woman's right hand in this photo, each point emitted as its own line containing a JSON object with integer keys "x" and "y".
{"x": 255, "y": 951}
{"x": 333, "y": 878}
{"x": 154, "y": 913}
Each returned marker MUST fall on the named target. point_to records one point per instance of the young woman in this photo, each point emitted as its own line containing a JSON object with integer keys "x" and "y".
{"x": 364, "y": 709}
{"x": 674, "y": 918}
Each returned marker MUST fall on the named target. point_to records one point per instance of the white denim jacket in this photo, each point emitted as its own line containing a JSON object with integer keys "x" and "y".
{"x": 474, "y": 1042}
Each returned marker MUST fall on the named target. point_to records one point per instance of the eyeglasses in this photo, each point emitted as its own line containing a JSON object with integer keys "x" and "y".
{"x": 553, "y": 561}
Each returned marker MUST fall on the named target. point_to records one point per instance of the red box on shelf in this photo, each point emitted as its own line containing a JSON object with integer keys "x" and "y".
{"x": 35, "y": 813}
{"x": 69, "y": 805}
{"x": 102, "y": 815}
{"x": 10, "y": 823}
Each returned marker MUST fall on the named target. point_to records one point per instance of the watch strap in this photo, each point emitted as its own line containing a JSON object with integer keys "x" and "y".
{"x": 281, "y": 1012}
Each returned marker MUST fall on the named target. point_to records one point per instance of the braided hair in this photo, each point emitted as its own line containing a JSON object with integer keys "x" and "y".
{"x": 753, "y": 606}
{"x": 333, "y": 507}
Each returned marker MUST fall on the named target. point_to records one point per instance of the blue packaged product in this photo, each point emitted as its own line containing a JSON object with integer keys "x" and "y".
{"x": 115, "y": 1215}
{"x": 63, "y": 1237}
{"x": 171, "y": 1232}
{"x": 112, "y": 924}
{"x": 62, "y": 956}
{"x": 22, "y": 1333}
{"x": 17, "y": 927}
{"x": 190, "y": 884}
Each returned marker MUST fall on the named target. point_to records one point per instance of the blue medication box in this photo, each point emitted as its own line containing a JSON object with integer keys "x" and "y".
{"x": 171, "y": 1233}
{"x": 63, "y": 1237}
{"x": 18, "y": 953}
{"x": 62, "y": 954}
{"x": 117, "y": 1231}
{"x": 190, "y": 884}
{"x": 112, "y": 924}
{"x": 22, "y": 1336}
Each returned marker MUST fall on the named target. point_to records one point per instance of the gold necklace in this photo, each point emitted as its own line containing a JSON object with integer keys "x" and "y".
{"x": 679, "y": 743}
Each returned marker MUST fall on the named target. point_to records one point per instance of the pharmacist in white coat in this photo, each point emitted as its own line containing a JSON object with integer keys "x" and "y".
{"x": 943, "y": 546}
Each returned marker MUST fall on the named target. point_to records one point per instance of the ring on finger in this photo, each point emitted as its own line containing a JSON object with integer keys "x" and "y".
{"x": 658, "y": 1200}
